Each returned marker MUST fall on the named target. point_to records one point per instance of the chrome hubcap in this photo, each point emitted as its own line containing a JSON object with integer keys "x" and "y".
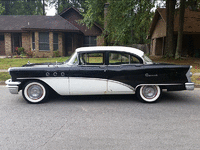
{"x": 149, "y": 92}
{"x": 35, "y": 92}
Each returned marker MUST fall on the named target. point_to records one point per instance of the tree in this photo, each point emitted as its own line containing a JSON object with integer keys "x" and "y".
{"x": 180, "y": 30}
{"x": 128, "y": 21}
{"x": 61, "y": 5}
{"x": 22, "y": 7}
{"x": 169, "y": 47}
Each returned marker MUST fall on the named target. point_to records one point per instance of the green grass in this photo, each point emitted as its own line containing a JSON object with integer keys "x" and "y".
{"x": 4, "y": 76}
{"x": 6, "y": 63}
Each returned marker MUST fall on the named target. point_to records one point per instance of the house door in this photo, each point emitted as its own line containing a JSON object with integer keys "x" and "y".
{"x": 16, "y": 41}
{"x": 68, "y": 44}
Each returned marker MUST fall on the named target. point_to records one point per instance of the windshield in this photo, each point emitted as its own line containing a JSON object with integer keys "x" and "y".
{"x": 147, "y": 60}
{"x": 73, "y": 60}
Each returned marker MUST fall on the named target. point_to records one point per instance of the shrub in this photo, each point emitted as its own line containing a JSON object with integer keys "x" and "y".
{"x": 56, "y": 53}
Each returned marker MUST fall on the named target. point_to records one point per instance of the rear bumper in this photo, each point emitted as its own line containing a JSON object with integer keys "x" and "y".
{"x": 189, "y": 86}
{"x": 12, "y": 86}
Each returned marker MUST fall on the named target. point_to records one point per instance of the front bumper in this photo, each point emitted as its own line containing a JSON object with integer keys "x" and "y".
{"x": 189, "y": 86}
{"x": 12, "y": 86}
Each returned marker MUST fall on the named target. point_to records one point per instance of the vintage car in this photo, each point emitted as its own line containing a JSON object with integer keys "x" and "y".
{"x": 100, "y": 70}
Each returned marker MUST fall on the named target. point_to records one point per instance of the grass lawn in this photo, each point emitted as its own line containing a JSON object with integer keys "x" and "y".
{"x": 6, "y": 63}
{"x": 4, "y": 76}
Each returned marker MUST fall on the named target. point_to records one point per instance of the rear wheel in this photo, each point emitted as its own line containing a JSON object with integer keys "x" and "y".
{"x": 35, "y": 92}
{"x": 148, "y": 93}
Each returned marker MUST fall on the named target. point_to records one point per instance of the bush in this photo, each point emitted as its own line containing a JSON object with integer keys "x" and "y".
{"x": 21, "y": 50}
{"x": 56, "y": 53}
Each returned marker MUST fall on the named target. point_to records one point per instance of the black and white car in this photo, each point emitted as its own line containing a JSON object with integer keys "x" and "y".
{"x": 100, "y": 70}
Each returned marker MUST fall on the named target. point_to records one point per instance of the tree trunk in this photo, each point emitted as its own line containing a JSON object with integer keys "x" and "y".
{"x": 170, "y": 4}
{"x": 180, "y": 30}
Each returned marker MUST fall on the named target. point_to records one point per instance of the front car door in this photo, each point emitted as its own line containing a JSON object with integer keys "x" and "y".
{"x": 89, "y": 76}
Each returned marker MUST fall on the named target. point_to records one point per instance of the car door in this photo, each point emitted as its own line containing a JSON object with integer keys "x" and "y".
{"x": 124, "y": 72}
{"x": 89, "y": 77}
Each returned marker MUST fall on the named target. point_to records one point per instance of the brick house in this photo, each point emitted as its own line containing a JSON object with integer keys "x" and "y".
{"x": 45, "y": 34}
{"x": 191, "y": 33}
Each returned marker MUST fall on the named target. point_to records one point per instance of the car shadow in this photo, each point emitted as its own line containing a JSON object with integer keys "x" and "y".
{"x": 94, "y": 98}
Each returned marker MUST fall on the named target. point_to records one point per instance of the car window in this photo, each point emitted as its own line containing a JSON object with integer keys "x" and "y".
{"x": 122, "y": 58}
{"x": 91, "y": 58}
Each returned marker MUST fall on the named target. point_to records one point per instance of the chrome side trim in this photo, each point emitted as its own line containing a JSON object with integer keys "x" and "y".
{"x": 156, "y": 84}
{"x": 12, "y": 86}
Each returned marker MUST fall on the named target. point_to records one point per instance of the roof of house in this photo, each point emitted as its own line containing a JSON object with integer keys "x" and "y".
{"x": 73, "y": 8}
{"x": 19, "y": 23}
{"x": 191, "y": 20}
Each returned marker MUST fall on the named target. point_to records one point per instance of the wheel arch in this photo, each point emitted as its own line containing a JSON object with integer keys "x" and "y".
{"x": 35, "y": 80}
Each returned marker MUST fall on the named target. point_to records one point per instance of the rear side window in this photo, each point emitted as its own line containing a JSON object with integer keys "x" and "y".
{"x": 116, "y": 58}
{"x": 92, "y": 59}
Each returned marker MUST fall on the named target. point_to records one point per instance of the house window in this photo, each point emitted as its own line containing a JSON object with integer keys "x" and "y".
{"x": 1, "y": 37}
{"x": 90, "y": 41}
{"x": 44, "y": 41}
{"x": 55, "y": 41}
{"x": 33, "y": 41}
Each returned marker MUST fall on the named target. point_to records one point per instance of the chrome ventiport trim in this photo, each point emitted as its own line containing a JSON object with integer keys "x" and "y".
{"x": 189, "y": 86}
{"x": 12, "y": 86}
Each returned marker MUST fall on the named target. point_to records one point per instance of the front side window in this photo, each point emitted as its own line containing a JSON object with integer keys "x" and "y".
{"x": 92, "y": 59}
{"x": 90, "y": 41}
{"x": 116, "y": 58}
{"x": 44, "y": 41}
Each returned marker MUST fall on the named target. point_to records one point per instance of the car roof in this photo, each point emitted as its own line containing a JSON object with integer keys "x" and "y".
{"x": 112, "y": 48}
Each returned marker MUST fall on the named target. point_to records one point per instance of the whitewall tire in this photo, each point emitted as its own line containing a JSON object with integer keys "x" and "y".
{"x": 35, "y": 92}
{"x": 148, "y": 93}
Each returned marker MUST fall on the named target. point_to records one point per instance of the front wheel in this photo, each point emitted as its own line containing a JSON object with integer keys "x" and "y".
{"x": 148, "y": 93}
{"x": 35, "y": 92}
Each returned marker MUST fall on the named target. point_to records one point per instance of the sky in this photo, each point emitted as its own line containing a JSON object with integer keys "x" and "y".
{"x": 50, "y": 11}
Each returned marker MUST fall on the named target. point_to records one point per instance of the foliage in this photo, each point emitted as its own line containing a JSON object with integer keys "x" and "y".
{"x": 61, "y": 5}
{"x": 128, "y": 21}
{"x": 94, "y": 13}
{"x": 21, "y": 7}
{"x": 56, "y": 53}
{"x": 29, "y": 53}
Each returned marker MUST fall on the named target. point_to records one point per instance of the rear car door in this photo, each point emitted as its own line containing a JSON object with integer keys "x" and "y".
{"x": 124, "y": 72}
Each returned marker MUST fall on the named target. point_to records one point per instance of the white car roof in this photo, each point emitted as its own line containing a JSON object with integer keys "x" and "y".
{"x": 112, "y": 48}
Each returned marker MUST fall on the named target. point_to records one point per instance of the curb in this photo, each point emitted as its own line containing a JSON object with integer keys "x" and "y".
{"x": 3, "y": 70}
{"x": 2, "y": 83}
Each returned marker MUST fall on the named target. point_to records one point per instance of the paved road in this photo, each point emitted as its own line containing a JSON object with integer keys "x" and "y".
{"x": 101, "y": 122}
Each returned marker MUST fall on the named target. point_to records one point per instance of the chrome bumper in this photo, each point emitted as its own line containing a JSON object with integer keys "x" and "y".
{"x": 189, "y": 86}
{"x": 12, "y": 86}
